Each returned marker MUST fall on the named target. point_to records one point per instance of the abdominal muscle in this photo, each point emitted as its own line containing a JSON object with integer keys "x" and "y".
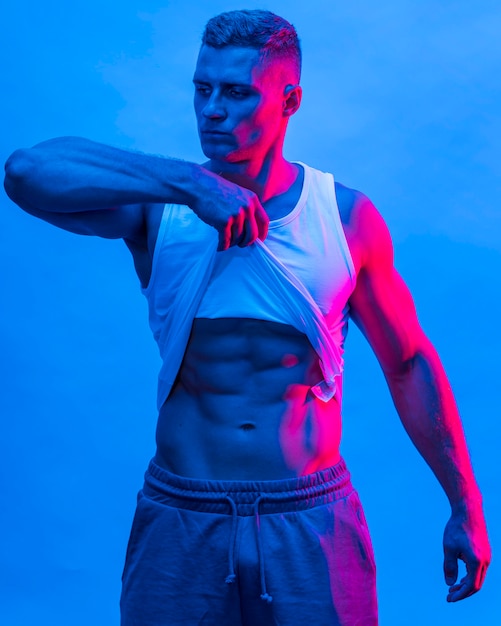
{"x": 242, "y": 409}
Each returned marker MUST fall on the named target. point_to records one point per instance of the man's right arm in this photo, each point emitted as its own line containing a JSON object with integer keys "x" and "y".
{"x": 87, "y": 187}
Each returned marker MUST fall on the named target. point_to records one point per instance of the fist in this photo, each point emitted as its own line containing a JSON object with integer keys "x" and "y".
{"x": 234, "y": 211}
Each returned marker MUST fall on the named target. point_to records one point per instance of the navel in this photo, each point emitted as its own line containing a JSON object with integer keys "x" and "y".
{"x": 247, "y": 426}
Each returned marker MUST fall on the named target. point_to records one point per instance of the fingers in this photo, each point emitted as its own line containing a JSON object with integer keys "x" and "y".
{"x": 250, "y": 233}
{"x": 469, "y": 584}
{"x": 262, "y": 221}
{"x": 465, "y": 538}
{"x": 238, "y": 231}
{"x": 244, "y": 228}
{"x": 225, "y": 237}
{"x": 450, "y": 567}
{"x": 462, "y": 590}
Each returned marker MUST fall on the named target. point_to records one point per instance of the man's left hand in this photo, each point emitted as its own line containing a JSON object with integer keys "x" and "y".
{"x": 465, "y": 538}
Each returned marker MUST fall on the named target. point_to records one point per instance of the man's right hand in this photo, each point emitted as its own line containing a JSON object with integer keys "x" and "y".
{"x": 234, "y": 211}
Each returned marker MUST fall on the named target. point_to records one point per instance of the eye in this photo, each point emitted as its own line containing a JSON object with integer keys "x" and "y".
{"x": 203, "y": 90}
{"x": 238, "y": 93}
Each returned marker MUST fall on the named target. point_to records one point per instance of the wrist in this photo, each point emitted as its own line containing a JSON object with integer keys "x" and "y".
{"x": 469, "y": 501}
{"x": 179, "y": 182}
{"x": 195, "y": 189}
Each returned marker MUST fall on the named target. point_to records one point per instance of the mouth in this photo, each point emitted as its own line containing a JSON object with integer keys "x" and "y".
{"x": 214, "y": 133}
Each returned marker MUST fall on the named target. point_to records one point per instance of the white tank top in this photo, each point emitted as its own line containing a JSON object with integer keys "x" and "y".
{"x": 301, "y": 275}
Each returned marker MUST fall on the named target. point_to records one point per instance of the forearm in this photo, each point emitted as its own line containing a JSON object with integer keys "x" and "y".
{"x": 427, "y": 409}
{"x": 73, "y": 174}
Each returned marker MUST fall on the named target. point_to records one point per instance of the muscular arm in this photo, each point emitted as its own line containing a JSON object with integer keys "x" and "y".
{"x": 74, "y": 182}
{"x": 382, "y": 307}
{"x": 72, "y": 174}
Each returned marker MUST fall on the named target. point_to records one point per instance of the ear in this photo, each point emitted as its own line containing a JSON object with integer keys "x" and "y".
{"x": 292, "y": 99}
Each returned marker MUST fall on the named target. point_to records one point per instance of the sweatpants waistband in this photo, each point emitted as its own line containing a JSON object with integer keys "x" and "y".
{"x": 275, "y": 496}
{"x": 243, "y": 498}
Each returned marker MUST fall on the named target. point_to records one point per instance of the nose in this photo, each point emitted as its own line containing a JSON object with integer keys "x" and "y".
{"x": 214, "y": 108}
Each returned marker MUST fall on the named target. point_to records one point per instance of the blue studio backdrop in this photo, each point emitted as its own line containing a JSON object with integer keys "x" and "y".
{"x": 402, "y": 101}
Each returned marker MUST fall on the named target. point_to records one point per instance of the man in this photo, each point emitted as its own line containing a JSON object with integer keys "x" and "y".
{"x": 251, "y": 266}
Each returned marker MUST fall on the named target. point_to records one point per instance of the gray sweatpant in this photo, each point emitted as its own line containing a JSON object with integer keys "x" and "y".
{"x": 235, "y": 553}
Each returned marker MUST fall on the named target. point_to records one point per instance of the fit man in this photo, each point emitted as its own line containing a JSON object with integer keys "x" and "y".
{"x": 251, "y": 266}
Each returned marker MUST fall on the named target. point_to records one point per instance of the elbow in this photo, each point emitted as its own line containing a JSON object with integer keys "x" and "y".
{"x": 399, "y": 369}
{"x": 19, "y": 169}
{"x": 402, "y": 361}
{"x": 421, "y": 362}
{"x": 27, "y": 180}
{"x": 407, "y": 355}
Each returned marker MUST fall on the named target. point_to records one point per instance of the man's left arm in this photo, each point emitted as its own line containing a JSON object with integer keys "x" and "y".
{"x": 382, "y": 307}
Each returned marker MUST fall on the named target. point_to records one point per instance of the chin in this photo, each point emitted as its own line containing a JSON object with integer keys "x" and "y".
{"x": 223, "y": 156}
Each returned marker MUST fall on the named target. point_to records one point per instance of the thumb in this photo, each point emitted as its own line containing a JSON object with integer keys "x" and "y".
{"x": 450, "y": 568}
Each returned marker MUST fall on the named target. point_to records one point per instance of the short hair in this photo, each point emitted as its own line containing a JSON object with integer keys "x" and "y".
{"x": 262, "y": 30}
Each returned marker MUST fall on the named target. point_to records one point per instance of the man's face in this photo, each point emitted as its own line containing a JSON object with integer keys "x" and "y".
{"x": 238, "y": 104}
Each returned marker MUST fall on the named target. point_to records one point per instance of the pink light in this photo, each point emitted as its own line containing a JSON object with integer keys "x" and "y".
{"x": 289, "y": 360}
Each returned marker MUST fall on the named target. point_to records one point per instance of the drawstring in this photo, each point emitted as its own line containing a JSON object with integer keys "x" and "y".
{"x": 231, "y": 551}
{"x": 231, "y": 554}
{"x": 338, "y": 480}
{"x": 264, "y": 594}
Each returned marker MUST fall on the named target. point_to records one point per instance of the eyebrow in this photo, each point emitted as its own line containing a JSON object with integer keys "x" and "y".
{"x": 197, "y": 81}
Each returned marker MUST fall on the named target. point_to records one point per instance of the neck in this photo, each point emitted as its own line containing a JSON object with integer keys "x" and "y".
{"x": 266, "y": 177}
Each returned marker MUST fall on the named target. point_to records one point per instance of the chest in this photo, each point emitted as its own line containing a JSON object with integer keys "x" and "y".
{"x": 313, "y": 251}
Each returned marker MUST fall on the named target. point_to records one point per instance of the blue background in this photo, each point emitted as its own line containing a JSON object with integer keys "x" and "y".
{"x": 402, "y": 101}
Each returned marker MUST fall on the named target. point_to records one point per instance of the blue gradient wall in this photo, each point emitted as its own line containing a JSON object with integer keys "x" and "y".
{"x": 401, "y": 101}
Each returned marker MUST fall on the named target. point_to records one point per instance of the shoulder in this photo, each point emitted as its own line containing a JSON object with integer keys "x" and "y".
{"x": 366, "y": 231}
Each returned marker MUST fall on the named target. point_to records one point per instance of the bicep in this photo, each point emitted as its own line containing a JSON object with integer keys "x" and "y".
{"x": 381, "y": 304}
{"x": 383, "y": 309}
